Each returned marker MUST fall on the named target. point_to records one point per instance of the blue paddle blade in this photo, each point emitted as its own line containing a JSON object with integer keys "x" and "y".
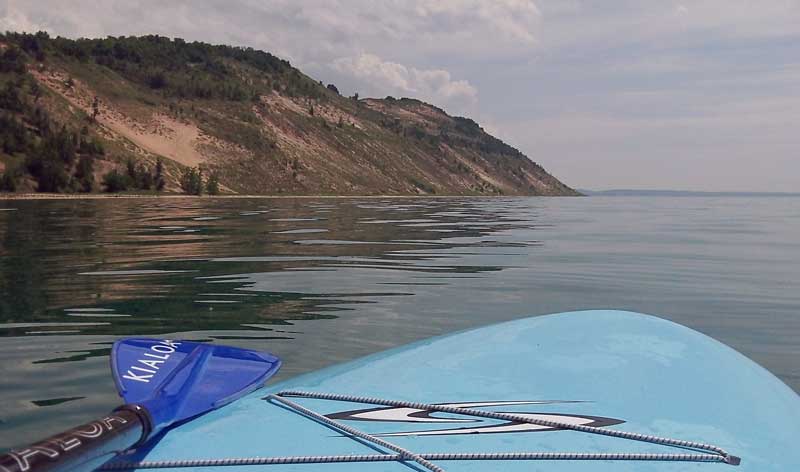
{"x": 178, "y": 380}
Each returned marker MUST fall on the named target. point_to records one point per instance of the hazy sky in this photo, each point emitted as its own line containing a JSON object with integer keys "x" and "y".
{"x": 604, "y": 94}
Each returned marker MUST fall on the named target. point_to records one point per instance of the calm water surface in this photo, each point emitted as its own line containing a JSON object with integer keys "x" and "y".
{"x": 320, "y": 281}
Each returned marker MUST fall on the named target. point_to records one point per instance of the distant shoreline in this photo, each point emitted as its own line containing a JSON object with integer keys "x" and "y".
{"x": 112, "y": 196}
{"x": 680, "y": 193}
{"x": 585, "y": 193}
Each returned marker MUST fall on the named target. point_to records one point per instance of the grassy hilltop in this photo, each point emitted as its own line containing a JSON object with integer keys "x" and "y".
{"x": 157, "y": 114}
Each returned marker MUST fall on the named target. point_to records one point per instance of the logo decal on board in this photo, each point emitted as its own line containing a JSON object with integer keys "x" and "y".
{"x": 471, "y": 425}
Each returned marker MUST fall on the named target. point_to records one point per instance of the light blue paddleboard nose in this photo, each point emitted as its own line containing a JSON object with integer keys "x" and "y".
{"x": 609, "y": 369}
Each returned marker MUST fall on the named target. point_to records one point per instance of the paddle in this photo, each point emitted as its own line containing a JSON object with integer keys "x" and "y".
{"x": 162, "y": 382}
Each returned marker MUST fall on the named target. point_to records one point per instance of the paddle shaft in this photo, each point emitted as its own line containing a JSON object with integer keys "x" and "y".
{"x": 83, "y": 448}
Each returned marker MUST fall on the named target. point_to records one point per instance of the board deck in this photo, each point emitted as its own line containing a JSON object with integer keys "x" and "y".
{"x": 609, "y": 369}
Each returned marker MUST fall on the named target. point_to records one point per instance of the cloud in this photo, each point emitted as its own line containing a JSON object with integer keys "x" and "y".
{"x": 314, "y": 29}
{"x": 376, "y": 46}
{"x": 14, "y": 20}
{"x": 703, "y": 144}
{"x": 434, "y": 85}
{"x": 569, "y": 82}
{"x": 587, "y": 23}
{"x": 515, "y": 20}
{"x": 372, "y": 67}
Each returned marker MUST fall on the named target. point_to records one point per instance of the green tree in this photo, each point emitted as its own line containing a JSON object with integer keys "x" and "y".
{"x": 212, "y": 186}
{"x": 130, "y": 170}
{"x": 158, "y": 179}
{"x": 115, "y": 181}
{"x": 12, "y": 60}
{"x": 8, "y": 181}
{"x": 36, "y": 91}
{"x": 65, "y": 143}
{"x": 95, "y": 108}
{"x": 14, "y": 136}
{"x": 50, "y": 176}
{"x": 157, "y": 80}
{"x": 46, "y": 161}
{"x": 86, "y": 145}
{"x": 84, "y": 173}
{"x": 199, "y": 183}
{"x": 144, "y": 179}
{"x": 10, "y": 99}
{"x": 192, "y": 181}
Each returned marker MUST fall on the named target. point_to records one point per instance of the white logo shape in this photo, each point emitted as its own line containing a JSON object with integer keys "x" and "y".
{"x": 413, "y": 415}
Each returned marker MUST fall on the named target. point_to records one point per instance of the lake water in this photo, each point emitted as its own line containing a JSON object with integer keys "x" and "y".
{"x": 320, "y": 281}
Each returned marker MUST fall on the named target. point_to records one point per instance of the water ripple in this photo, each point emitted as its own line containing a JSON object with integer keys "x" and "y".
{"x": 387, "y": 271}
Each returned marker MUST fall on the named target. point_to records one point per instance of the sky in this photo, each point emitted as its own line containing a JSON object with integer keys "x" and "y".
{"x": 649, "y": 94}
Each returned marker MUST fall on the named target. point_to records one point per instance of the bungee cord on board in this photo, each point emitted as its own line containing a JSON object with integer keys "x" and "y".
{"x": 713, "y": 454}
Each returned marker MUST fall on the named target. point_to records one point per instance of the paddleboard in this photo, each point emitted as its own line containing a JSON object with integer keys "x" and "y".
{"x": 604, "y": 369}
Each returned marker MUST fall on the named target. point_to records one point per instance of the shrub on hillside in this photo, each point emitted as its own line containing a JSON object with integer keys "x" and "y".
{"x": 212, "y": 186}
{"x": 8, "y": 182}
{"x": 192, "y": 181}
{"x": 84, "y": 174}
{"x": 115, "y": 181}
{"x": 135, "y": 177}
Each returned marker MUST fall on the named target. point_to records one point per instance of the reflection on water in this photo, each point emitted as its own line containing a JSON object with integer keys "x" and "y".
{"x": 319, "y": 281}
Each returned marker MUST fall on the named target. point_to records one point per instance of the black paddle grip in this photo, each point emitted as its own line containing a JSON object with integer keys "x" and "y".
{"x": 83, "y": 448}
